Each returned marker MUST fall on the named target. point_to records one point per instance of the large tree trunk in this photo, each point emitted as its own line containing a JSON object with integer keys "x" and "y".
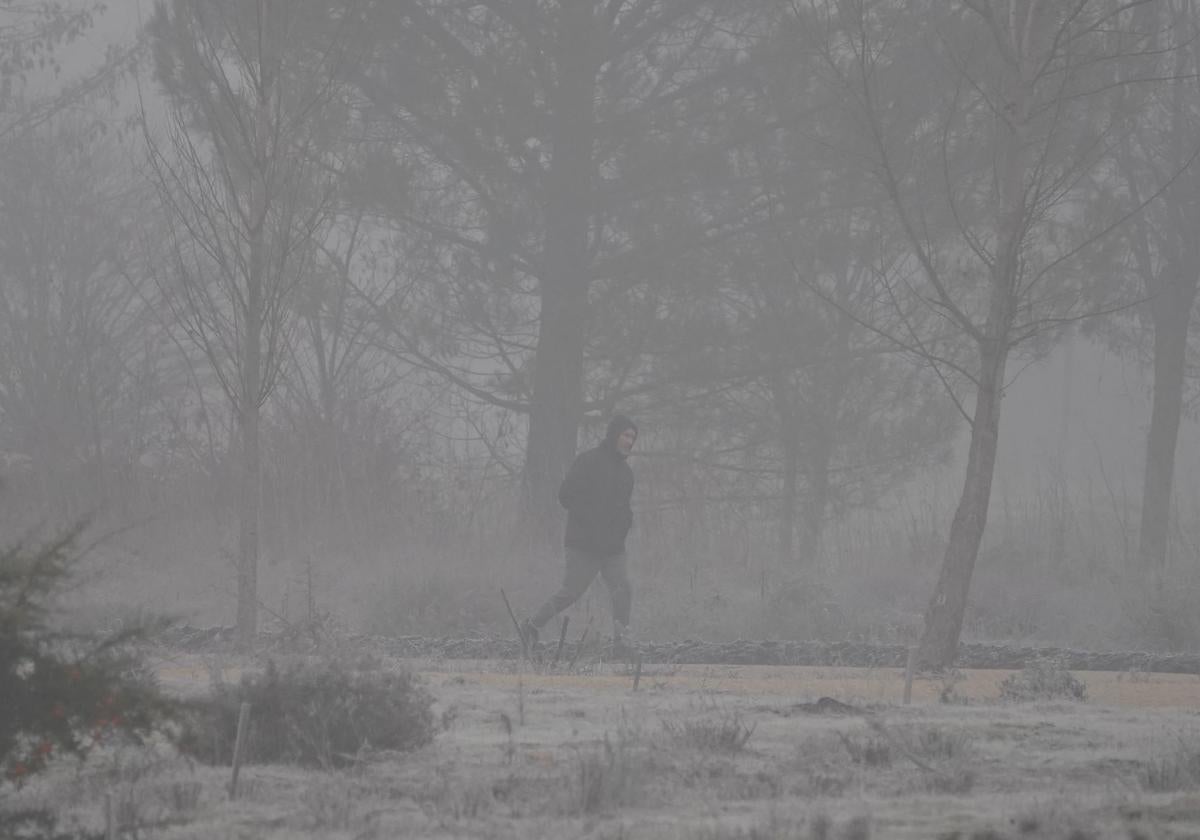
{"x": 557, "y": 396}
{"x": 251, "y": 372}
{"x": 1171, "y": 311}
{"x": 249, "y": 490}
{"x": 248, "y": 498}
{"x": 944, "y": 615}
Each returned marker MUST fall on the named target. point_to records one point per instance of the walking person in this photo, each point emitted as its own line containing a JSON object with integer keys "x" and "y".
{"x": 596, "y": 494}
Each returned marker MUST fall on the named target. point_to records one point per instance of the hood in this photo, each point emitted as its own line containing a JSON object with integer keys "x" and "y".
{"x": 616, "y": 425}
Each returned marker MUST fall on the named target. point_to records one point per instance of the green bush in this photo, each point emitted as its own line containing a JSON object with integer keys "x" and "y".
{"x": 320, "y": 714}
{"x": 61, "y": 692}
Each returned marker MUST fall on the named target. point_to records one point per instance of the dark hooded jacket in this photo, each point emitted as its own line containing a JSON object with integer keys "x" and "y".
{"x": 596, "y": 494}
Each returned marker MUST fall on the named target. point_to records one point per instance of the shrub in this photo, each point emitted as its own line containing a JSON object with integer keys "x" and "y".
{"x": 871, "y": 750}
{"x": 613, "y": 775}
{"x": 320, "y": 714}
{"x": 62, "y": 692}
{"x": 950, "y": 693}
{"x": 723, "y": 733}
{"x": 941, "y": 744}
{"x": 38, "y": 824}
{"x": 1177, "y": 769}
{"x": 1042, "y": 679}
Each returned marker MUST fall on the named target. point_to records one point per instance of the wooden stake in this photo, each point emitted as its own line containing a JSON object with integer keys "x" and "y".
{"x": 520, "y": 700}
{"x": 562, "y": 637}
{"x": 239, "y": 747}
{"x": 516, "y": 624}
{"x": 579, "y": 645}
{"x": 908, "y": 674}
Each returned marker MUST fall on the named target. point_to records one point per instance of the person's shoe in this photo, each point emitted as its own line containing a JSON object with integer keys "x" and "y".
{"x": 529, "y": 635}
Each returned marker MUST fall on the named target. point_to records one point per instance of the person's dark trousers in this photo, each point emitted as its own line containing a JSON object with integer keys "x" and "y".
{"x": 582, "y": 568}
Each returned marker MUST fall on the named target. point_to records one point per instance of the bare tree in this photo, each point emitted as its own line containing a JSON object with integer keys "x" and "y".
{"x": 340, "y": 391}
{"x": 78, "y": 352}
{"x": 248, "y": 89}
{"x": 979, "y": 120}
{"x": 1157, "y": 155}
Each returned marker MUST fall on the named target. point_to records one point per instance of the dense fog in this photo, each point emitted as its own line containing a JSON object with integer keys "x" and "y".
{"x": 306, "y": 308}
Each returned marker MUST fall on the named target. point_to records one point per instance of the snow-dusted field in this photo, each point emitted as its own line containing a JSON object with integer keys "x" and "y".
{"x": 696, "y": 751}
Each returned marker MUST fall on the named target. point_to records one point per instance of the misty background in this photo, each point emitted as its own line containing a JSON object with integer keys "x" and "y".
{"x": 306, "y": 306}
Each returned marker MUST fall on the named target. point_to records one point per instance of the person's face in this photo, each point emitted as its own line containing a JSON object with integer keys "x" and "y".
{"x": 625, "y": 441}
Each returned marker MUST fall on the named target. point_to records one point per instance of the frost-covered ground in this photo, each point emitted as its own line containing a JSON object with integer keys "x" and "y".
{"x": 696, "y": 751}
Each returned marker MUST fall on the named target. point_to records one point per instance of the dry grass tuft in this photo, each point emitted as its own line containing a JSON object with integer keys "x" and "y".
{"x": 612, "y": 775}
{"x": 1178, "y": 769}
{"x": 868, "y": 750}
{"x": 938, "y": 743}
{"x": 333, "y": 802}
{"x": 776, "y": 827}
{"x": 725, "y": 732}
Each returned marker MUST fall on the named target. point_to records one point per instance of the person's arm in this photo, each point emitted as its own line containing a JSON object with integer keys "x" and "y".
{"x": 626, "y": 520}
{"x": 627, "y": 508}
{"x": 571, "y": 489}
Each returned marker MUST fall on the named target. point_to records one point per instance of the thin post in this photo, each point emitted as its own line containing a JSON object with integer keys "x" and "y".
{"x": 579, "y": 645}
{"x": 520, "y": 699}
{"x": 239, "y": 747}
{"x": 562, "y": 637}
{"x": 516, "y": 624}
{"x": 908, "y": 674}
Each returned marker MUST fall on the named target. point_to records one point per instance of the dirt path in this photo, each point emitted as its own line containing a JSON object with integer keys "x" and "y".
{"x": 861, "y": 685}
{"x": 799, "y": 683}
